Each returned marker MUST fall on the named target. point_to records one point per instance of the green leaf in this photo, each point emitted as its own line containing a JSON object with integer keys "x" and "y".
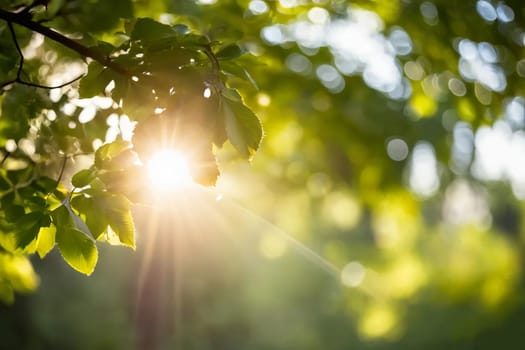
{"x": 77, "y": 249}
{"x": 62, "y": 218}
{"x": 120, "y": 219}
{"x": 242, "y": 127}
{"x": 20, "y": 176}
{"x": 95, "y": 81}
{"x": 229, "y": 52}
{"x": 20, "y": 105}
{"x": 28, "y": 226}
{"x": 11, "y": 210}
{"x": 232, "y": 95}
{"x": 147, "y": 29}
{"x": 105, "y": 153}
{"x": 104, "y": 48}
{"x": 233, "y": 69}
{"x": 46, "y": 240}
{"x": 96, "y": 219}
{"x": 83, "y": 178}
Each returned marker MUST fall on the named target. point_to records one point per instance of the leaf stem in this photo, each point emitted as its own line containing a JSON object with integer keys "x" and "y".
{"x": 62, "y": 169}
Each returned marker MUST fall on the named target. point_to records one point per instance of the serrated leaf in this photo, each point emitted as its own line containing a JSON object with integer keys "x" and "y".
{"x": 105, "y": 153}
{"x": 243, "y": 128}
{"x": 62, "y": 218}
{"x": 77, "y": 249}
{"x": 233, "y": 69}
{"x": 95, "y": 81}
{"x": 229, "y": 52}
{"x": 96, "y": 219}
{"x": 120, "y": 219}
{"x": 83, "y": 178}
{"x": 231, "y": 94}
{"x": 46, "y": 240}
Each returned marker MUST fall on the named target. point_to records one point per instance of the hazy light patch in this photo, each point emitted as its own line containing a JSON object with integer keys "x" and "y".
{"x": 319, "y": 184}
{"x": 298, "y": 63}
{"x": 378, "y": 321}
{"x": 462, "y": 148}
{"x": 288, "y": 3}
{"x": 414, "y": 71}
{"x": 341, "y": 210}
{"x": 486, "y": 10}
{"x": 516, "y": 169}
{"x": 466, "y": 204}
{"x": 505, "y": 13}
{"x": 330, "y": 78}
{"x": 263, "y": 99}
{"x": 500, "y": 155}
{"x": 258, "y": 7}
{"x": 429, "y": 12}
{"x": 272, "y": 246}
{"x": 353, "y": 274}
{"x": 273, "y": 35}
{"x": 515, "y": 112}
{"x": 87, "y": 114}
{"x": 492, "y": 151}
{"x": 10, "y": 145}
{"x": 478, "y": 63}
{"x": 457, "y": 87}
{"x": 400, "y": 41}
{"x": 357, "y": 45}
{"x": 397, "y": 149}
{"x": 424, "y": 179}
{"x": 206, "y": 2}
{"x": 318, "y": 15}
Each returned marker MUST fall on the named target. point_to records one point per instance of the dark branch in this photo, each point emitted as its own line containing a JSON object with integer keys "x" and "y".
{"x": 21, "y": 64}
{"x": 49, "y": 87}
{"x": 19, "y": 72}
{"x": 84, "y": 51}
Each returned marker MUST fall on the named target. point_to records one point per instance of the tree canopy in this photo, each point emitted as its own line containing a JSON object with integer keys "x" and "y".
{"x": 393, "y": 143}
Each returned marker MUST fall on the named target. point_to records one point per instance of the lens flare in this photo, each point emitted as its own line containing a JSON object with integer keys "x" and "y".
{"x": 168, "y": 170}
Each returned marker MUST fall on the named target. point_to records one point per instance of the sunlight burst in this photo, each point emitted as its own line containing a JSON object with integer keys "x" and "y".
{"x": 168, "y": 170}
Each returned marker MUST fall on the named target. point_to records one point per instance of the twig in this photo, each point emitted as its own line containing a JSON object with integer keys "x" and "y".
{"x": 49, "y": 87}
{"x": 19, "y": 72}
{"x": 62, "y": 169}
{"x": 4, "y": 158}
{"x": 21, "y": 64}
{"x": 84, "y": 51}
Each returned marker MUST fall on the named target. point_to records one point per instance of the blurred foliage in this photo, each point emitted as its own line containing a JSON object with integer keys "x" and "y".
{"x": 393, "y": 149}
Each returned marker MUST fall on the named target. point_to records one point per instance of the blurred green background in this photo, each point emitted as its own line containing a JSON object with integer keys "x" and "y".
{"x": 383, "y": 210}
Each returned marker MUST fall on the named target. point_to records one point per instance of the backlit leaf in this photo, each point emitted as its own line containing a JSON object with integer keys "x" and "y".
{"x": 77, "y": 249}
{"x": 242, "y": 126}
{"x": 46, "y": 240}
{"x": 83, "y": 178}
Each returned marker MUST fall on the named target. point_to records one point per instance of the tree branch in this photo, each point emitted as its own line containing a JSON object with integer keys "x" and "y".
{"x": 20, "y": 70}
{"x": 84, "y": 51}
